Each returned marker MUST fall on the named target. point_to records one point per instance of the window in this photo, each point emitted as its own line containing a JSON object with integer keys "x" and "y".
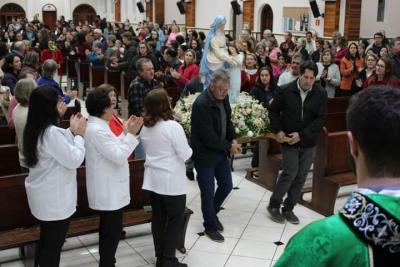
{"x": 381, "y": 10}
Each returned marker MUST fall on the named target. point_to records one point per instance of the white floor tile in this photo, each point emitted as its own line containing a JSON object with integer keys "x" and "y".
{"x": 264, "y": 234}
{"x": 13, "y": 264}
{"x": 205, "y": 259}
{"x": 205, "y": 244}
{"x": 9, "y": 254}
{"x": 255, "y": 249}
{"x": 237, "y": 261}
{"x": 77, "y": 257}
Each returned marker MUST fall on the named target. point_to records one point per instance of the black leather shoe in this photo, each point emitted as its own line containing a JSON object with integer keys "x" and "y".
{"x": 275, "y": 215}
{"x": 168, "y": 262}
{"x": 220, "y": 227}
{"x": 190, "y": 175}
{"x": 290, "y": 216}
{"x": 214, "y": 235}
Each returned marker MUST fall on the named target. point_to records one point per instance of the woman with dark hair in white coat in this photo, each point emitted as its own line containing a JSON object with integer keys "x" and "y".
{"x": 107, "y": 170}
{"x": 167, "y": 149}
{"x": 52, "y": 155}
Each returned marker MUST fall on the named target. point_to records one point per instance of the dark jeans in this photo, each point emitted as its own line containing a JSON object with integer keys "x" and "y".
{"x": 110, "y": 230}
{"x": 167, "y": 223}
{"x": 295, "y": 166}
{"x": 52, "y": 237}
{"x": 212, "y": 200}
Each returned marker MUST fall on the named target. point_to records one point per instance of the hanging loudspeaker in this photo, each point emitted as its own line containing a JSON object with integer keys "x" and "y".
{"x": 236, "y": 7}
{"x": 181, "y": 7}
{"x": 314, "y": 9}
{"x": 140, "y": 6}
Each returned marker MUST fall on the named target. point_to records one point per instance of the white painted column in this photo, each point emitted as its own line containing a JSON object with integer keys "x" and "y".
{"x": 67, "y": 8}
{"x": 29, "y": 10}
{"x": 342, "y": 16}
{"x": 110, "y": 11}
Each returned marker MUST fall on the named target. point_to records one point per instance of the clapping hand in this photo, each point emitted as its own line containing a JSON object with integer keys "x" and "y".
{"x": 133, "y": 125}
{"x": 61, "y": 107}
{"x": 77, "y": 124}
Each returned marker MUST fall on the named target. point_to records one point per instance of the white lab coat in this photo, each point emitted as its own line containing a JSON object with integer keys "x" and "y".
{"x": 166, "y": 150}
{"x": 51, "y": 185}
{"x": 107, "y": 168}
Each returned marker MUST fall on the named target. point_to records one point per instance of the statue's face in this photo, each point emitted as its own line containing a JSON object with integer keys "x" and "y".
{"x": 221, "y": 26}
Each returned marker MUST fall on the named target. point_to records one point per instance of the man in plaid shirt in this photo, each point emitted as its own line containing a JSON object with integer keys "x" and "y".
{"x": 140, "y": 86}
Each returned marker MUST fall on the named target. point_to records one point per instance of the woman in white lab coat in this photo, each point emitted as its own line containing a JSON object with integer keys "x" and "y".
{"x": 107, "y": 170}
{"x": 52, "y": 154}
{"x": 167, "y": 149}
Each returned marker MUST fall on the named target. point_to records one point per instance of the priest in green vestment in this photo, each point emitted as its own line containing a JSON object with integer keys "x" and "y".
{"x": 366, "y": 231}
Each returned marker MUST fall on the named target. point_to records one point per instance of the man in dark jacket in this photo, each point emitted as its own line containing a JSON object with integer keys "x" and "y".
{"x": 297, "y": 115}
{"x": 212, "y": 141}
{"x": 129, "y": 53}
{"x": 394, "y": 56}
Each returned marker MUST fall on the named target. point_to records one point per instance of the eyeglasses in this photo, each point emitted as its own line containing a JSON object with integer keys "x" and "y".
{"x": 295, "y": 63}
{"x": 380, "y": 66}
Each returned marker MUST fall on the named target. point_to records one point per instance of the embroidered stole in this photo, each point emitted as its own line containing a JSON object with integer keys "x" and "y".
{"x": 374, "y": 226}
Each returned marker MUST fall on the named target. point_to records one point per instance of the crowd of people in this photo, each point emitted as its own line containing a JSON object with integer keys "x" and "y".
{"x": 292, "y": 80}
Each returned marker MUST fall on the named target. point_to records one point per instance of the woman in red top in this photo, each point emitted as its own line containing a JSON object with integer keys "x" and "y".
{"x": 249, "y": 73}
{"x": 383, "y": 75}
{"x": 52, "y": 52}
{"x": 187, "y": 71}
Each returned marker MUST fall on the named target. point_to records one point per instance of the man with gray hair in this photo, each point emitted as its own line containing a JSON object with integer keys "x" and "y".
{"x": 49, "y": 70}
{"x": 212, "y": 141}
{"x": 19, "y": 49}
{"x": 293, "y": 73}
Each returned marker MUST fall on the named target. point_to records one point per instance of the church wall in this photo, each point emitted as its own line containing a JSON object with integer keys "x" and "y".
{"x": 172, "y": 12}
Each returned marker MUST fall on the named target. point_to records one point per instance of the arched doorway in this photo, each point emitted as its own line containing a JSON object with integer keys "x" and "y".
{"x": 49, "y": 15}
{"x": 267, "y": 18}
{"x": 84, "y": 12}
{"x": 9, "y": 12}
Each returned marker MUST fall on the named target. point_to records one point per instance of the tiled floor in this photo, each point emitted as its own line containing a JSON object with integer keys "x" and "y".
{"x": 249, "y": 234}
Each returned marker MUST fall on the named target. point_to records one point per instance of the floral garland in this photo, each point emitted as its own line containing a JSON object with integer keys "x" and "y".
{"x": 249, "y": 117}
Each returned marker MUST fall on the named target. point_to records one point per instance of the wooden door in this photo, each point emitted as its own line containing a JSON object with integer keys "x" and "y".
{"x": 50, "y": 18}
{"x": 117, "y": 13}
{"x": 267, "y": 18}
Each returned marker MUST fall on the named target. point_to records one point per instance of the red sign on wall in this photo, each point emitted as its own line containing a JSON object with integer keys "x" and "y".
{"x": 317, "y": 22}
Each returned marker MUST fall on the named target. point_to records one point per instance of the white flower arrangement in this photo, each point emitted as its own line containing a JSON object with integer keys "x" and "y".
{"x": 249, "y": 117}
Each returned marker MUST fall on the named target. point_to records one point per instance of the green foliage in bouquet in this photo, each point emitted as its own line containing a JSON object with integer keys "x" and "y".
{"x": 249, "y": 117}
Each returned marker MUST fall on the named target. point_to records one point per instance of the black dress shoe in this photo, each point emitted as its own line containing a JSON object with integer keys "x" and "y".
{"x": 214, "y": 235}
{"x": 190, "y": 175}
{"x": 275, "y": 215}
{"x": 220, "y": 227}
{"x": 172, "y": 262}
{"x": 290, "y": 216}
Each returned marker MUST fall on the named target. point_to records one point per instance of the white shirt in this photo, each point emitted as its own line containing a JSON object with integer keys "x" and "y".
{"x": 107, "y": 168}
{"x": 19, "y": 115}
{"x": 286, "y": 77}
{"x": 51, "y": 185}
{"x": 166, "y": 150}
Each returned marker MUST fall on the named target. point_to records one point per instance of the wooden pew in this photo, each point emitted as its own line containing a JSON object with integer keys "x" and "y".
{"x": 270, "y": 156}
{"x": 72, "y": 76}
{"x": 7, "y": 136}
{"x": 19, "y": 228}
{"x": 126, "y": 80}
{"x": 9, "y": 160}
{"x": 331, "y": 171}
{"x": 113, "y": 77}
{"x": 96, "y": 76}
{"x": 82, "y": 70}
{"x": 72, "y": 110}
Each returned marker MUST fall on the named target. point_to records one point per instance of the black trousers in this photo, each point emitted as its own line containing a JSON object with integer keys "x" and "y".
{"x": 109, "y": 235}
{"x": 167, "y": 223}
{"x": 52, "y": 237}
